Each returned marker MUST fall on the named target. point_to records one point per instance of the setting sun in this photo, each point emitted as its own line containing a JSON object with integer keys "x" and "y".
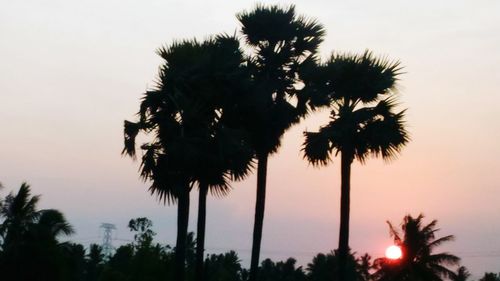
{"x": 393, "y": 252}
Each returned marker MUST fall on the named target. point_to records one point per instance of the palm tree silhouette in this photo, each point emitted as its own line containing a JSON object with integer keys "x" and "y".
{"x": 190, "y": 144}
{"x": 172, "y": 116}
{"x": 227, "y": 156}
{"x": 30, "y": 248}
{"x": 280, "y": 41}
{"x": 417, "y": 242}
{"x": 359, "y": 89}
{"x": 19, "y": 213}
{"x": 462, "y": 274}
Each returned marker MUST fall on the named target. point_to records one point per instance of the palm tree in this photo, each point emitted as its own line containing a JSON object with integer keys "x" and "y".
{"x": 359, "y": 90}
{"x": 19, "y": 213}
{"x": 183, "y": 114}
{"x": 280, "y": 42}
{"x": 462, "y": 274}
{"x": 417, "y": 242}
{"x": 326, "y": 267}
{"x": 228, "y": 157}
{"x": 94, "y": 262}
{"x": 30, "y": 246}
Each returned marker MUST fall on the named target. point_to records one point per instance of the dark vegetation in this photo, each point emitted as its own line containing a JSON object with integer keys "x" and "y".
{"x": 215, "y": 114}
{"x": 32, "y": 248}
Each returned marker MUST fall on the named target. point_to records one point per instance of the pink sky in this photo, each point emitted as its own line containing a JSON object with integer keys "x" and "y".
{"x": 72, "y": 71}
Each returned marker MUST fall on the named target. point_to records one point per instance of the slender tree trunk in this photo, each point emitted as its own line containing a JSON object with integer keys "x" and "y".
{"x": 259, "y": 214}
{"x": 200, "y": 232}
{"x": 182, "y": 230}
{"x": 345, "y": 193}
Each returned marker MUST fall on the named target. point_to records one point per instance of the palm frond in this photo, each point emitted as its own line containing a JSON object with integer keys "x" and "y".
{"x": 361, "y": 77}
{"x": 394, "y": 233}
{"x": 316, "y": 148}
{"x": 130, "y": 132}
{"x": 444, "y": 258}
{"x": 267, "y": 24}
{"x": 386, "y": 136}
{"x": 55, "y": 223}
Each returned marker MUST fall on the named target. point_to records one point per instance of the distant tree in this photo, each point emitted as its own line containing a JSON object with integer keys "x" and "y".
{"x": 73, "y": 265}
{"x": 144, "y": 234}
{"x": 223, "y": 267}
{"x": 94, "y": 262}
{"x": 280, "y": 42}
{"x": 326, "y": 267}
{"x": 417, "y": 242}
{"x": 462, "y": 274}
{"x": 119, "y": 266}
{"x": 141, "y": 260}
{"x": 490, "y": 276}
{"x": 360, "y": 92}
{"x": 281, "y": 271}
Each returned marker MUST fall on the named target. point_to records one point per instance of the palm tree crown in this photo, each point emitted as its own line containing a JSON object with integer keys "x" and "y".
{"x": 359, "y": 89}
{"x": 417, "y": 242}
{"x": 281, "y": 42}
{"x": 190, "y": 144}
{"x": 182, "y": 113}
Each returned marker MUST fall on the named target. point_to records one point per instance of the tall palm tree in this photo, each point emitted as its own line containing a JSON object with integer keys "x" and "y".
{"x": 228, "y": 157}
{"x": 281, "y": 42}
{"x": 359, "y": 90}
{"x": 183, "y": 115}
{"x": 418, "y": 262}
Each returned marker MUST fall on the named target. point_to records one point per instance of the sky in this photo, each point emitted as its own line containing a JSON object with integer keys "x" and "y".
{"x": 72, "y": 71}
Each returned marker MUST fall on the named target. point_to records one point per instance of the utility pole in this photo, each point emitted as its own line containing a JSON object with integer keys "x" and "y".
{"x": 107, "y": 239}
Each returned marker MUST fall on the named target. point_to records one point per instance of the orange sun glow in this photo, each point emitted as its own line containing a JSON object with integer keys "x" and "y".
{"x": 393, "y": 252}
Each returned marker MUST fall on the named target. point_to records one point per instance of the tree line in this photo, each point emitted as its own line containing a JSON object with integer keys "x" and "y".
{"x": 218, "y": 112}
{"x": 32, "y": 248}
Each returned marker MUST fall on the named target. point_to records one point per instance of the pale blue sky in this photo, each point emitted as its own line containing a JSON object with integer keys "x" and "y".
{"x": 72, "y": 71}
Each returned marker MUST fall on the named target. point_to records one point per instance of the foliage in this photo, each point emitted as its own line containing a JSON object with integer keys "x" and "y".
{"x": 30, "y": 239}
{"x": 280, "y": 42}
{"x": 39, "y": 254}
{"x": 281, "y": 271}
{"x": 360, "y": 92}
{"x": 490, "y": 276}
{"x": 417, "y": 242}
{"x": 462, "y": 274}
{"x": 325, "y": 267}
{"x": 223, "y": 267}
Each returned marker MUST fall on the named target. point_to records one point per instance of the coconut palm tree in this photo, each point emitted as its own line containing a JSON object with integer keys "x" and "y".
{"x": 183, "y": 114}
{"x": 280, "y": 41}
{"x": 19, "y": 212}
{"x": 462, "y": 274}
{"x": 359, "y": 90}
{"x": 418, "y": 262}
{"x": 30, "y": 247}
